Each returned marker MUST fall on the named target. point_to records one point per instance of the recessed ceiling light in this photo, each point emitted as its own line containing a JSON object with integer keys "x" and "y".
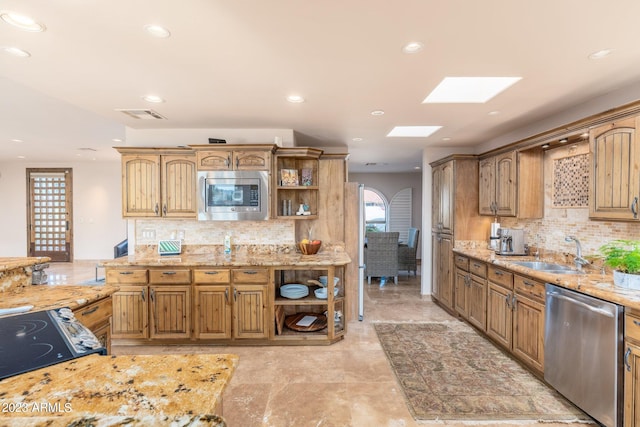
{"x": 563, "y": 140}
{"x": 546, "y": 145}
{"x": 295, "y": 99}
{"x": 476, "y": 90}
{"x": 446, "y": 138}
{"x": 584, "y": 135}
{"x": 157, "y": 31}
{"x": 116, "y": 140}
{"x": 153, "y": 98}
{"x": 412, "y": 47}
{"x": 22, "y": 157}
{"x": 15, "y": 51}
{"x": 16, "y": 140}
{"x": 600, "y": 54}
{"x": 356, "y": 139}
{"x": 494, "y": 113}
{"x": 23, "y": 22}
{"x": 377, "y": 112}
{"x": 413, "y": 131}
{"x": 417, "y": 167}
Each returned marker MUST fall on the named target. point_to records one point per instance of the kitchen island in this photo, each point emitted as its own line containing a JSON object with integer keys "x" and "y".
{"x": 207, "y": 297}
{"x": 142, "y": 390}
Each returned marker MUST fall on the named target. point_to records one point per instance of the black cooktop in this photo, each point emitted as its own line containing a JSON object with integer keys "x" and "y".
{"x": 31, "y": 341}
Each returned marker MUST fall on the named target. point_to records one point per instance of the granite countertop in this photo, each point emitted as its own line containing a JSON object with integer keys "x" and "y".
{"x": 593, "y": 282}
{"x": 48, "y": 297}
{"x": 149, "y": 389}
{"x": 239, "y": 259}
{"x": 11, "y": 263}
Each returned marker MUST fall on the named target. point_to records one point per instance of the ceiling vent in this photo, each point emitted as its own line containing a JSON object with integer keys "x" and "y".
{"x": 142, "y": 114}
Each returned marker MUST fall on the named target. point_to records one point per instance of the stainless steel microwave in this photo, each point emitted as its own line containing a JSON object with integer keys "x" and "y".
{"x": 233, "y": 195}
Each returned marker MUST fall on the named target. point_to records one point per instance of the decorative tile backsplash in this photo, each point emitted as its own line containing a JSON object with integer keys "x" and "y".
{"x": 571, "y": 181}
{"x": 272, "y": 232}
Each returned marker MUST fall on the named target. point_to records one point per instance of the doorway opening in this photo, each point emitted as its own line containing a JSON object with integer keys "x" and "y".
{"x": 49, "y": 213}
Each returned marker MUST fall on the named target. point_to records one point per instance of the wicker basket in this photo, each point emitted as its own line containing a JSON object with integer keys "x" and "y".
{"x": 309, "y": 248}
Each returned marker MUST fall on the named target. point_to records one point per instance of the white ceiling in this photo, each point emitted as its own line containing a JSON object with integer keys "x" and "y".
{"x": 230, "y": 65}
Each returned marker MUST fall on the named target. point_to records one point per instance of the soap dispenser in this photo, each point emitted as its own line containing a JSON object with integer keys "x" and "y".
{"x": 227, "y": 244}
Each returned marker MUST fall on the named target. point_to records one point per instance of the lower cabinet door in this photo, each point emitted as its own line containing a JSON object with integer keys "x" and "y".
{"x": 212, "y": 312}
{"x": 461, "y": 293}
{"x": 170, "y": 311}
{"x": 130, "y": 312}
{"x": 499, "y": 315}
{"x": 477, "y": 302}
{"x": 528, "y": 332}
{"x": 631, "y": 385}
{"x": 250, "y": 311}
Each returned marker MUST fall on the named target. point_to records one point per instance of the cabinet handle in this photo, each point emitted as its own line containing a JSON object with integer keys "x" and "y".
{"x": 226, "y": 295}
{"x": 228, "y": 162}
{"x": 144, "y": 297}
{"x": 476, "y": 265}
{"x": 626, "y": 359}
{"x": 164, "y": 209}
{"x": 211, "y": 272}
{"x": 635, "y": 322}
{"x": 507, "y": 300}
{"x": 498, "y": 273}
{"x": 169, "y": 273}
{"x": 126, "y": 272}
{"x": 152, "y": 294}
{"x": 634, "y": 207}
{"x": 237, "y": 162}
{"x": 514, "y": 299}
{"x": 156, "y": 209}
{"x": 527, "y": 283}
{"x": 93, "y": 310}
{"x": 235, "y": 294}
{"x": 250, "y": 272}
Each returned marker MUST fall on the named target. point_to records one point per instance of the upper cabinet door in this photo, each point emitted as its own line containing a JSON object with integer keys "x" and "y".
{"x": 506, "y": 184}
{"x": 215, "y": 160}
{"x": 615, "y": 162}
{"x": 140, "y": 185}
{"x": 436, "y": 222}
{"x": 447, "y": 207}
{"x": 179, "y": 187}
{"x": 487, "y": 186}
{"x": 252, "y": 160}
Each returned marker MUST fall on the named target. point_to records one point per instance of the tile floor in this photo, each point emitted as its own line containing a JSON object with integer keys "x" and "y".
{"x": 349, "y": 383}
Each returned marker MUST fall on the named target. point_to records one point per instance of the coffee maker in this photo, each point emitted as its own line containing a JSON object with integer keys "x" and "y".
{"x": 511, "y": 242}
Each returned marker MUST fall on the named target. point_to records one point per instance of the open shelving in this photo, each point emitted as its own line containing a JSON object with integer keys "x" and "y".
{"x": 296, "y": 159}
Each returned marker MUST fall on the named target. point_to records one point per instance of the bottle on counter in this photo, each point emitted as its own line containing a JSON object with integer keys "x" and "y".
{"x": 227, "y": 244}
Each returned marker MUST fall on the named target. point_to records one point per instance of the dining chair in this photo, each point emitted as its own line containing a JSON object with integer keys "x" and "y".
{"x": 381, "y": 255}
{"x": 407, "y": 253}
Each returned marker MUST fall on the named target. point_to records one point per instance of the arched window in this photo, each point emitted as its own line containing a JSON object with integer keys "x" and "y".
{"x": 376, "y": 210}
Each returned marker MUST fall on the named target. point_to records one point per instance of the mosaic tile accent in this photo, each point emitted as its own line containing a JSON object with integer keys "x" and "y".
{"x": 571, "y": 181}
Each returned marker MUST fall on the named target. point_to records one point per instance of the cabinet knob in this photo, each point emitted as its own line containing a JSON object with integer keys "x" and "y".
{"x": 634, "y": 207}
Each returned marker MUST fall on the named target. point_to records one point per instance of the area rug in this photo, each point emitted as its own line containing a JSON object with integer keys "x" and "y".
{"x": 448, "y": 371}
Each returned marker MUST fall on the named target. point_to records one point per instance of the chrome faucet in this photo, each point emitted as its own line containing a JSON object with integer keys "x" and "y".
{"x": 578, "y": 259}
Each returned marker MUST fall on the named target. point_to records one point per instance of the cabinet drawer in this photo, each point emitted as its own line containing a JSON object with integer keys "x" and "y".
{"x": 170, "y": 276}
{"x": 127, "y": 276}
{"x": 211, "y": 276}
{"x": 529, "y": 288}
{"x": 250, "y": 275}
{"x": 632, "y": 327}
{"x": 478, "y": 268}
{"x": 94, "y": 314}
{"x": 462, "y": 262}
{"x": 501, "y": 277}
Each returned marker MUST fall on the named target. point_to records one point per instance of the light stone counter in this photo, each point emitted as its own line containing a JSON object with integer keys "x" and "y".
{"x": 593, "y": 282}
{"x": 16, "y": 271}
{"x": 202, "y": 257}
{"x": 146, "y": 390}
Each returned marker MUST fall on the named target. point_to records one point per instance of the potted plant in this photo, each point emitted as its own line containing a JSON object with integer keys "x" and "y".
{"x": 623, "y": 256}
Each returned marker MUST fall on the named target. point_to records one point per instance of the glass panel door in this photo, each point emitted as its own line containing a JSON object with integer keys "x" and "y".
{"x": 49, "y": 213}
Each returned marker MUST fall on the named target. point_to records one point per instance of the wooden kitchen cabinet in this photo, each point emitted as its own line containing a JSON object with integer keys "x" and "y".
{"x": 170, "y": 310}
{"x": 212, "y": 303}
{"x": 255, "y": 157}
{"x": 632, "y": 369}
{"x": 306, "y": 191}
{"x": 250, "y": 298}
{"x": 97, "y": 317}
{"x": 529, "y": 321}
{"x": 615, "y": 168}
{"x": 455, "y": 217}
{"x": 130, "y": 312}
{"x": 499, "y": 300}
{"x": 511, "y": 184}
{"x": 157, "y": 183}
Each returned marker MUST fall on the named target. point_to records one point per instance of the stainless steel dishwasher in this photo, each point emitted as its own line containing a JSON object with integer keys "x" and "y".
{"x": 583, "y": 342}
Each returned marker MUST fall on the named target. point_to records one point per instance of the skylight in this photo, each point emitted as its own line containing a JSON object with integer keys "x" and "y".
{"x": 469, "y": 89}
{"x": 413, "y": 131}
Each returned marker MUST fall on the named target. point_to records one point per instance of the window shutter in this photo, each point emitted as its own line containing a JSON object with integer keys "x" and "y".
{"x": 400, "y": 213}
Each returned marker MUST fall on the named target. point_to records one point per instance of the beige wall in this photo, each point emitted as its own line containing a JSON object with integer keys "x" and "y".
{"x": 98, "y": 223}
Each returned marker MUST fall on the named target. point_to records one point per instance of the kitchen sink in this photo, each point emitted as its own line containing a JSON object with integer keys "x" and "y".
{"x": 548, "y": 267}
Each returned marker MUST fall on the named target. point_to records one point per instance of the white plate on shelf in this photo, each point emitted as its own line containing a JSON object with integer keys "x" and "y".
{"x": 294, "y": 291}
